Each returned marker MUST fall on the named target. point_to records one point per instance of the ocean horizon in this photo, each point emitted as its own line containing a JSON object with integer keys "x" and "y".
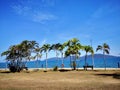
{"x": 111, "y": 62}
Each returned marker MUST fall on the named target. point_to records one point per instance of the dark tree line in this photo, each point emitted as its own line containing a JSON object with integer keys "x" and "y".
{"x": 17, "y": 54}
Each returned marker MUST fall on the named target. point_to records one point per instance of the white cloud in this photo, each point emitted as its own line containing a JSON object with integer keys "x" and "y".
{"x": 103, "y": 11}
{"x": 43, "y": 17}
{"x": 21, "y": 10}
{"x": 35, "y": 10}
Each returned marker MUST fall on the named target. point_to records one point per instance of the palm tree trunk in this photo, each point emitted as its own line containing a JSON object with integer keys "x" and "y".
{"x": 70, "y": 62}
{"x": 75, "y": 64}
{"x": 46, "y": 60}
{"x": 37, "y": 61}
{"x": 86, "y": 61}
{"x": 104, "y": 59}
{"x": 56, "y": 58}
{"x": 6, "y": 64}
{"x": 62, "y": 59}
{"x": 93, "y": 60}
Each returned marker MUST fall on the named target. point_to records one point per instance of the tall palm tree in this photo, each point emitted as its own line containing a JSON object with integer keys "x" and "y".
{"x": 73, "y": 47}
{"x": 45, "y": 48}
{"x": 88, "y": 49}
{"x": 105, "y": 48}
{"x": 38, "y": 54}
{"x": 67, "y": 45}
{"x": 55, "y": 47}
{"x": 61, "y": 48}
{"x": 26, "y": 48}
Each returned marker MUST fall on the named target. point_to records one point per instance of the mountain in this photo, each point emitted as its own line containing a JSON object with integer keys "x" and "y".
{"x": 96, "y": 57}
{"x": 111, "y": 62}
{"x": 99, "y": 56}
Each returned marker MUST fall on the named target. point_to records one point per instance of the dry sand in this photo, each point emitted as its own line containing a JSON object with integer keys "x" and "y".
{"x": 70, "y": 80}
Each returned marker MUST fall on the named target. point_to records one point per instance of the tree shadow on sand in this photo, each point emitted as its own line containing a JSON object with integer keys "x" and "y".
{"x": 114, "y": 75}
{"x": 5, "y": 72}
{"x": 64, "y": 70}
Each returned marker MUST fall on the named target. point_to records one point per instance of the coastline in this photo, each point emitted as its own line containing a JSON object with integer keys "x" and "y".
{"x": 77, "y": 68}
{"x": 32, "y": 69}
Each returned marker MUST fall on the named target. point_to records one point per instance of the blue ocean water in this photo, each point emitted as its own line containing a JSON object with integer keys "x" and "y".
{"x": 98, "y": 63}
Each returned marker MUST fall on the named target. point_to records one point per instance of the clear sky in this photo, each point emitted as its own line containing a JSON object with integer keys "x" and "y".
{"x": 53, "y": 21}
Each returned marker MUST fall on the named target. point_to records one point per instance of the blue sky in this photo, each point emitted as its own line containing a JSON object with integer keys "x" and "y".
{"x": 53, "y": 21}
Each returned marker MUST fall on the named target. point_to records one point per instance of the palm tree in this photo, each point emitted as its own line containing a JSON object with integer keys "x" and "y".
{"x": 12, "y": 55}
{"x": 88, "y": 49}
{"x": 55, "y": 47}
{"x": 68, "y": 51}
{"x": 38, "y": 54}
{"x": 73, "y": 50}
{"x": 16, "y": 53}
{"x": 60, "y": 48}
{"x": 45, "y": 48}
{"x": 29, "y": 46}
{"x": 26, "y": 48}
{"x": 105, "y": 48}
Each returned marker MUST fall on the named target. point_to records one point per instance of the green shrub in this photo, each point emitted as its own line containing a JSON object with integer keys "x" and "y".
{"x": 55, "y": 68}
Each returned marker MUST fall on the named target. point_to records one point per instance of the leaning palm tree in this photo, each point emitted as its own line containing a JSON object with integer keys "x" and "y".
{"x": 45, "y": 48}
{"x": 87, "y": 49}
{"x": 12, "y": 55}
{"x": 16, "y": 53}
{"x": 105, "y": 48}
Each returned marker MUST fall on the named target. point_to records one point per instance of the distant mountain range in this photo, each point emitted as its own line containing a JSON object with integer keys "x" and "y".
{"x": 111, "y": 62}
{"x": 96, "y": 56}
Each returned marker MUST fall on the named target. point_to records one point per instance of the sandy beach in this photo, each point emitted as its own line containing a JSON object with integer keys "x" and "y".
{"x": 66, "y": 69}
{"x": 56, "y": 80}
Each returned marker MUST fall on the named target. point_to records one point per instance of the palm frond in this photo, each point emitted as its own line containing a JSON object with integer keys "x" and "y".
{"x": 99, "y": 48}
{"x": 106, "y": 51}
{"x": 106, "y": 46}
{"x": 5, "y": 53}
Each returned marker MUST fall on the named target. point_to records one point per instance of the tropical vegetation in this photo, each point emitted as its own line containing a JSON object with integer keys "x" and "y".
{"x": 18, "y": 54}
{"x": 106, "y": 49}
{"x": 45, "y": 48}
{"x": 73, "y": 47}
